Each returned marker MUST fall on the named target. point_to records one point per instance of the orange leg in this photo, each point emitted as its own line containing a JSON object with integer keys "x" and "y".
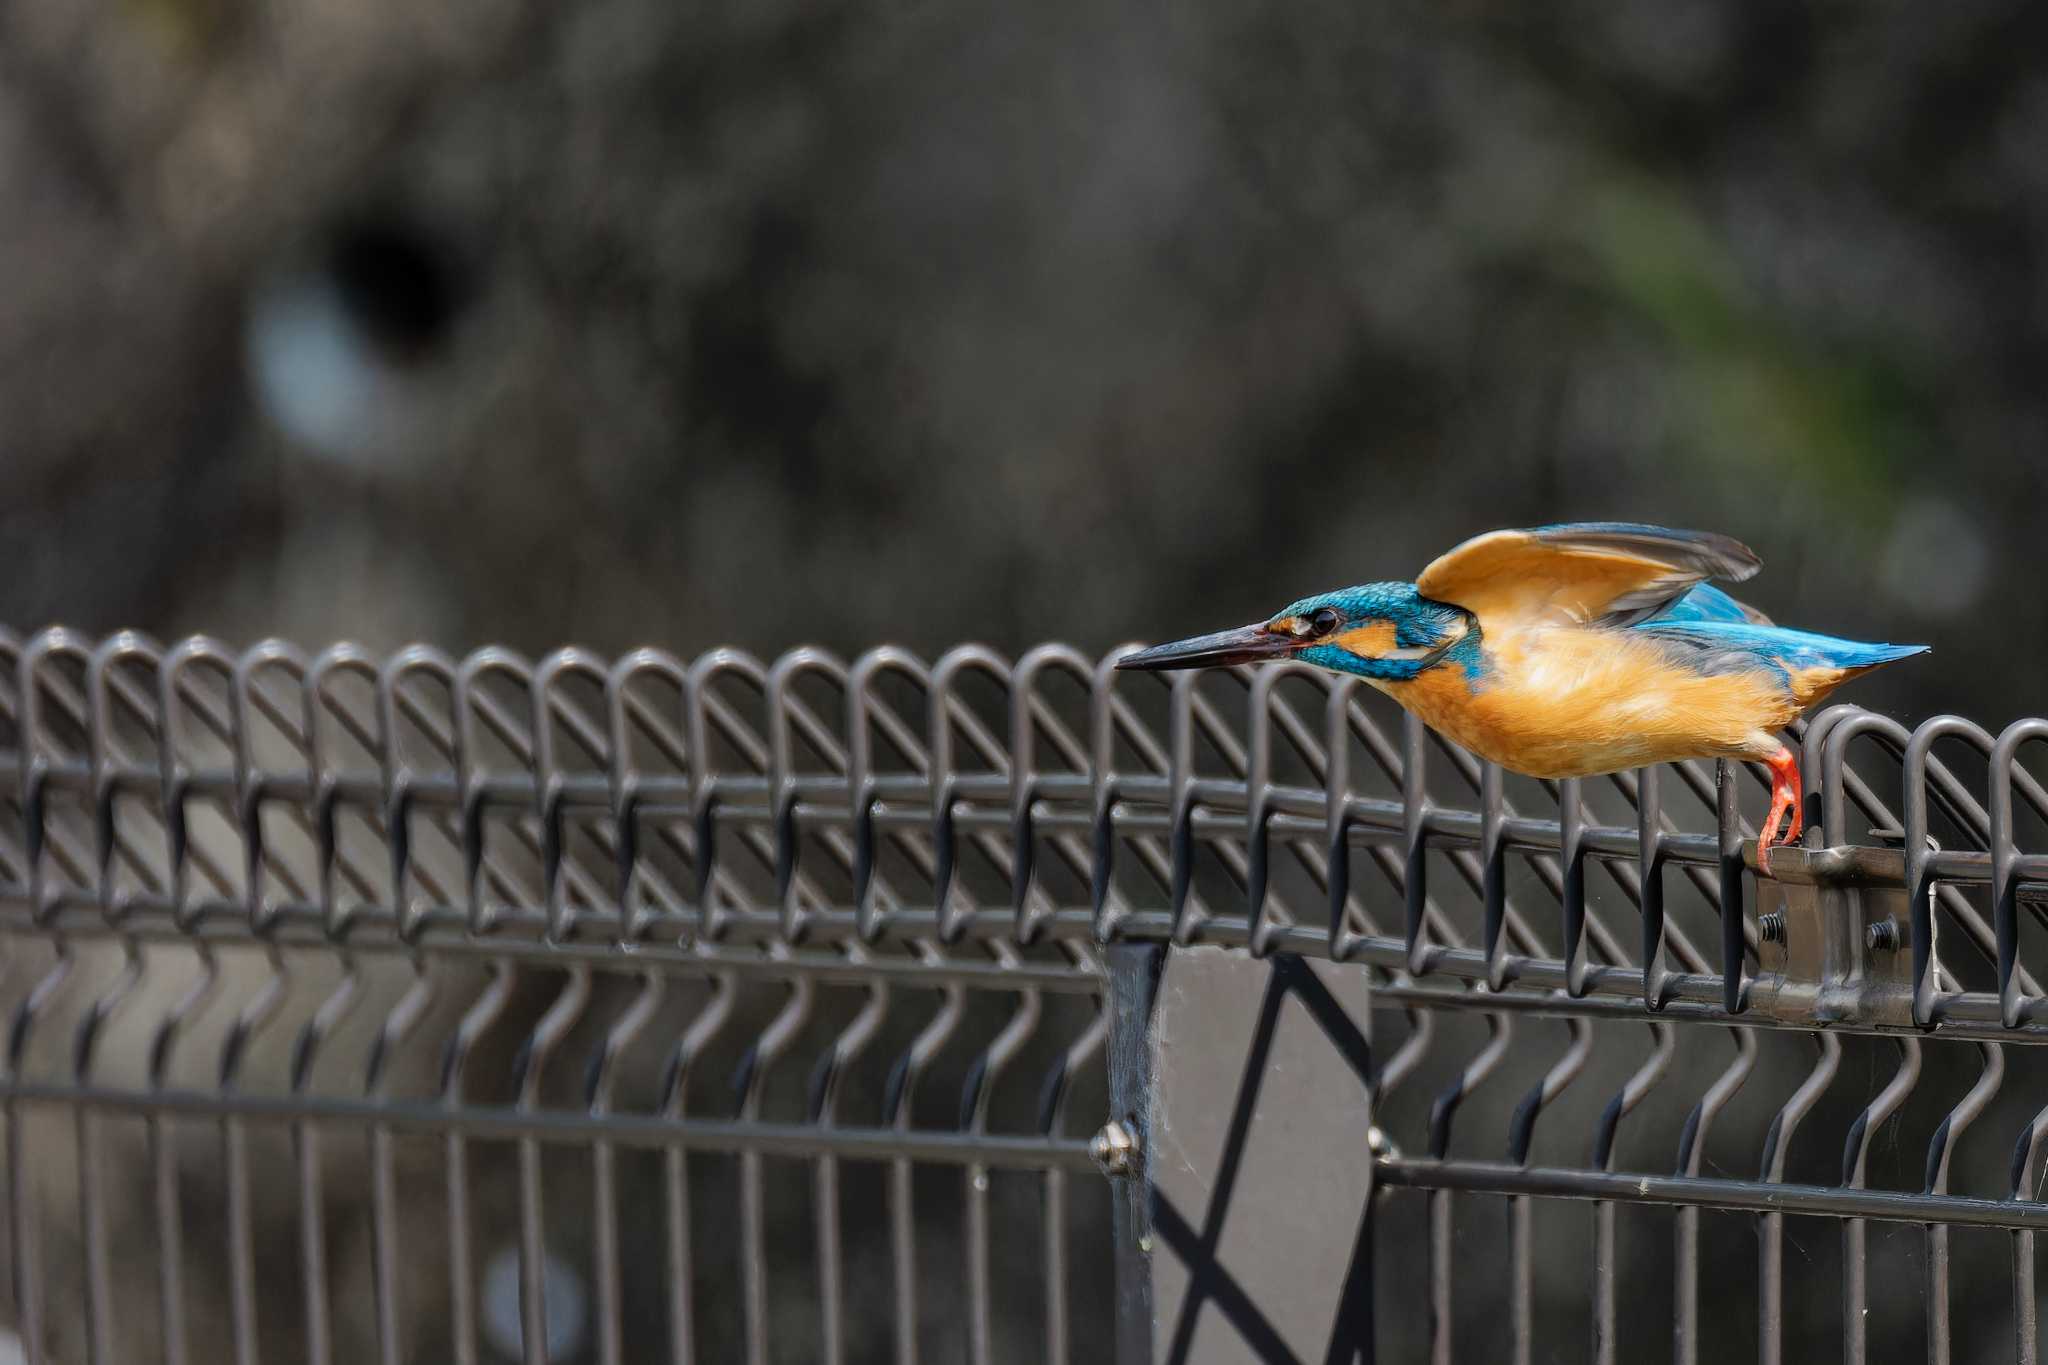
{"x": 1784, "y": 768}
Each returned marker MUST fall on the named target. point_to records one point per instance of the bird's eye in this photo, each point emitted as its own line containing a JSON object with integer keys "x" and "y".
{"x": 1324, "y": 621}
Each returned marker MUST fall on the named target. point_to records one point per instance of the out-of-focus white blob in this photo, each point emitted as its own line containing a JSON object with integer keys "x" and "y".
{"x": 562, "y": 1292}
{"x": 11, "y": 1352}
{"x": 346, "y": 353}
{"x": 1936, "y": 562}
{"x": 322, "y": 380}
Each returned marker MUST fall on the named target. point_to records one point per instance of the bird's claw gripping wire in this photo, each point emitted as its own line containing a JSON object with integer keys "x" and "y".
{"x": 1784, "y": 802}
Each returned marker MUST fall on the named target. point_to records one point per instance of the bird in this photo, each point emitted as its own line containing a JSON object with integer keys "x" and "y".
{"x": 1572, "y": 650}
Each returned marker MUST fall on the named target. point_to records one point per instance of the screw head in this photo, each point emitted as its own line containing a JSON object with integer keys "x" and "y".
{"x": 1115, "y": 1148}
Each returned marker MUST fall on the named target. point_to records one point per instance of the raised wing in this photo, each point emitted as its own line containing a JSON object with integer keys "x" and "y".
{"x": 1592, "y": 573}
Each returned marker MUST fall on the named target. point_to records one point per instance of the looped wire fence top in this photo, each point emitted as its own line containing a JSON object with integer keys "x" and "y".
{"x": 995, "y": 813}
{"x": 724, "y": 913}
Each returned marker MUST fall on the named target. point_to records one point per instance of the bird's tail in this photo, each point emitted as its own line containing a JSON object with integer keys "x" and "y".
{"x": 1866, "y": 657}
{"x": 1813, "y": 665}
{"x": 1814, "y": 684}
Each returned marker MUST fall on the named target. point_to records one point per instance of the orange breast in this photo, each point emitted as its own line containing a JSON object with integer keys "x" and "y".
{"x": 1565, "y": 702}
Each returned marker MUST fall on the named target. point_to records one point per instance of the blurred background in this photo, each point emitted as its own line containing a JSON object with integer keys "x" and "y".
{"x": 627, "y": 322}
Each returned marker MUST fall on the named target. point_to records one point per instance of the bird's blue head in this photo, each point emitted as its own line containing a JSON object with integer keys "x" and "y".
{"x": 1386, "y": 632}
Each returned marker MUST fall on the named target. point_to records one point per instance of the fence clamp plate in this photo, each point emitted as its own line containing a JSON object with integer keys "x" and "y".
{"x": 1834, "y": 938}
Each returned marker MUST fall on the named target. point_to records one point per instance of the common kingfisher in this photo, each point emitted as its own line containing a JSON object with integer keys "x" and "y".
{"x": 1571, "y": 651}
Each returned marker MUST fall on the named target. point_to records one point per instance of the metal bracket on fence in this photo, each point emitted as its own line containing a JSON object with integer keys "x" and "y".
{"x": 1834, "y": 937}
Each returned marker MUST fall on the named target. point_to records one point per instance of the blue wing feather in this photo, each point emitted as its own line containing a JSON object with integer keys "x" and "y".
{"x": 1708, "y": 603}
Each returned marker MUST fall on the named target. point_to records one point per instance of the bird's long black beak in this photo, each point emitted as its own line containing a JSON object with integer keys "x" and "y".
{"x": 1245, "y": 645}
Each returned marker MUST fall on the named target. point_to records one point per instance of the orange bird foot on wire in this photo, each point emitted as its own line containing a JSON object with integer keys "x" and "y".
{"x": 1784, "y": 801}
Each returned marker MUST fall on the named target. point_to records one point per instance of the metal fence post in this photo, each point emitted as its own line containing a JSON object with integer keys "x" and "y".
{"x": 1124, "y": 1144}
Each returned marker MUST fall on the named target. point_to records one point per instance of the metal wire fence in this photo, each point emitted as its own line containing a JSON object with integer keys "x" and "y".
{"x": 417, "y": 1008}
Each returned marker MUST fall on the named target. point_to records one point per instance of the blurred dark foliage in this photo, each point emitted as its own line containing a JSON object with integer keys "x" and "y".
{"x": 624, "y": 321}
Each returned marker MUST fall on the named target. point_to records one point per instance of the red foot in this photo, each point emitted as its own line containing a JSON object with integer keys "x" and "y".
{"x": 1784, "y": 799}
